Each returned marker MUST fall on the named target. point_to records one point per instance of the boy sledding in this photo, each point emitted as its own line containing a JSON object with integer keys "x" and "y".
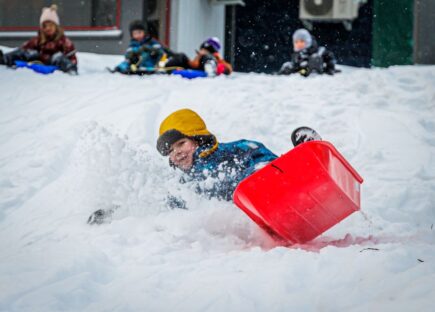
{"x": 144, "y": 53}
{"x": 294, "y": 197}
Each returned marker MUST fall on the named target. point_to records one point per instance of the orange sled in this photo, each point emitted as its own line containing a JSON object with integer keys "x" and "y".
{"x": 301, "y": 194}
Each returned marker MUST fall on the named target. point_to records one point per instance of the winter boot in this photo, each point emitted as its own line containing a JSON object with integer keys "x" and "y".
{"x": 304, "y": 134}
{"x": 2, "y": 60}
{"x": 101, "y": 216}
{"x": 60, "y": 60}
{"x": 20, "y": 55}
{"x": 178, "y": 60}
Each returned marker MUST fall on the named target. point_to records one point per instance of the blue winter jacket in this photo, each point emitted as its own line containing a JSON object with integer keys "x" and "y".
{"x": 149, "y": 51}
{"x": 219, "y": 173}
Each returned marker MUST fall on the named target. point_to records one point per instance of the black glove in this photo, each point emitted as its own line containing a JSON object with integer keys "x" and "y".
{"x": 304, "y": 71}
{"x": 175, "y": 202}
{"x": 101, "y": 216}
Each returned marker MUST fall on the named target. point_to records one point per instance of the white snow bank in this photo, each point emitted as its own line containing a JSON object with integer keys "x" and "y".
{"x": 71, "y": 145}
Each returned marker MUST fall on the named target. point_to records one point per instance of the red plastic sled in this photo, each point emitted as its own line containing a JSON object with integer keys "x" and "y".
{"x": 301, "y": 194}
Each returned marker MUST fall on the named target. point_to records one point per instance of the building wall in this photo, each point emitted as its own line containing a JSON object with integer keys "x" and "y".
{"x": 192, "y": 21}
{"x": 393, "y": 32}
{"x": 424, "y": 34}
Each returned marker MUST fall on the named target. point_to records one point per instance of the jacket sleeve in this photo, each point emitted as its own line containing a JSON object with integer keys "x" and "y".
{"x": 211, "y": 184}
{"x": 196, "y": 62}
{"x": 32, "y": 44}
{"x": 222, "y": 189}
{"x": 132, "y": 50}
{"x": 286, "y": 69}
{"x": 223, "y": 172}
{"x": 250, "y": 156}
{"x": 294, "y": 65}
{"x": 156, "y": 51}
{"x": 226, "y": 67}
{"x": 69, "y": 50}
{"x": 257, "y": 157}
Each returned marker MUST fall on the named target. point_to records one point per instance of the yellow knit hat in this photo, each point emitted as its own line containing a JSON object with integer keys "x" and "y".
{"x": 184, "y": 123}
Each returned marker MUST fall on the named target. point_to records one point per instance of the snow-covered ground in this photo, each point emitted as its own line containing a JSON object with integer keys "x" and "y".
{"x": 71, "y": 145}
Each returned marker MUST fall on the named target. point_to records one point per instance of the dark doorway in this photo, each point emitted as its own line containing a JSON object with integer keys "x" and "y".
{"x": 259, "y": 35}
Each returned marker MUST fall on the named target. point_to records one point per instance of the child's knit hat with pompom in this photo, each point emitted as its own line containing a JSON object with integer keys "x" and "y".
{"x": 49, "y": 14}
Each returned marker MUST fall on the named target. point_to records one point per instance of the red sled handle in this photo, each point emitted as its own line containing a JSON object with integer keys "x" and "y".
{"x": 337, "y": 155}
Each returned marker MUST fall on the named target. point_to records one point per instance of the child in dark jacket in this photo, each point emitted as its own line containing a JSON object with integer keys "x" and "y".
{"x": 207, "y": 59}
{"x": 308, "y": 57}
{"x": 143, "y": 54}
{"x": 50, "y": 47}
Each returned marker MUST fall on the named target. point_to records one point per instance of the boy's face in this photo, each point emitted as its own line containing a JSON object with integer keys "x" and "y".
{"x": 299, "y": 45}
{"x": 181, "y": 153}
{"x": 49, "y": 28}
{"x": 138, "y": 34}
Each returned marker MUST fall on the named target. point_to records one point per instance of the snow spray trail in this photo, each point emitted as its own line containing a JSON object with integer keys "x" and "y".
{"x": 110, "y": 172}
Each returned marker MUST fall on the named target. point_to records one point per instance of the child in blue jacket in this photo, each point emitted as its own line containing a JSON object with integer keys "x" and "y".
{"x": 143, "y": 54}
{"x": 183, "y": 136}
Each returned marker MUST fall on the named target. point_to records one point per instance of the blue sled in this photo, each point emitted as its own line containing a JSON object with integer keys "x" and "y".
{"x": 39, "y": 68}
{"x": 190, "y": 73}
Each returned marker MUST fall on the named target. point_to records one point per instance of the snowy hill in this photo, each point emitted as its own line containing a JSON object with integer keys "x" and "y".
{"x": 71, "y": 145}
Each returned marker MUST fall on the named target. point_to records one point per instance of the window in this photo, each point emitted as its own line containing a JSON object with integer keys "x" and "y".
{"x": 73, "y": 14}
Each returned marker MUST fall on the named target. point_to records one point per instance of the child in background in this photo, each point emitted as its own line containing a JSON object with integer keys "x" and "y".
{"x": 50, "y": 47}
{"x": 207, "y": 59}
{"x": 143, "y": 54}
{"x": 308, "y": 57}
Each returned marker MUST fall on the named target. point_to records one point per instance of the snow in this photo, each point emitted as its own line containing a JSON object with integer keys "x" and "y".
{"x": 71, "y": 145}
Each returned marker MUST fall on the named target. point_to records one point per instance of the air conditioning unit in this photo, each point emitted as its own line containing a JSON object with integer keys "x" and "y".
{"x": 329, "y": 10}
{"x": 227, "y": 2}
